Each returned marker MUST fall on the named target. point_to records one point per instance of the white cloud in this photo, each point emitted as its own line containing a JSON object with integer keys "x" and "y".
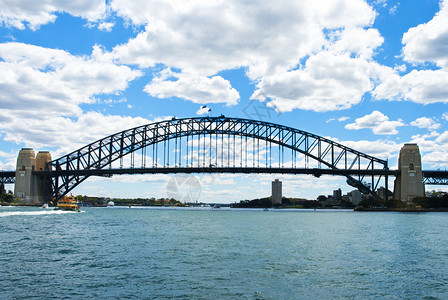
{"x": 445, "y": 116}
{"x": 217, "y": 179}
{"x": 342, "y": 119}
{"x": 382, "y": 3}
{"x": 426, "y": 142}
{"x": 42, "y": 90}
{"x": 429, "y": 42}
{"x": 106, "y": 26}
{"x": 378, "y": 122}
{"x": 426, "y": 43}
{"x": 323, "y": 49}
{"x": 138, "y": 178}
{"x": 203, "y": 110}
{"x": 393, "y": 9}
{"x": 113, "y": 101}
{"x": 420, "y": 86}
{"x": 205, "y": 38}
{"x": 425, "y": 122}
{"x": 383, "y": 149}
{"x": 198, "y": 89}
{"x": 37, "y": 81}
{"x": 67, "y": 133}
{"x": 8, "y": 160}
{"x": 327, "y": 82}
{"x": 33, "y": 13}
{"x": 333, "y": 79}
{"x": 400, "y": 68}
{"x": 433, "y": 149}
{"x": 357, "y": 41}
{"x": 435, "y": 159}
{"x": 269, "y": 40}
{"x": 442, "y": 138}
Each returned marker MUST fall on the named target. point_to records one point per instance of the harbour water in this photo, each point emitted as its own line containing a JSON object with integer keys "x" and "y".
{"x": 138, "y": 253}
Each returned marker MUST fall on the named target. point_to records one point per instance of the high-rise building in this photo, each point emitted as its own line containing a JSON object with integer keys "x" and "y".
{"x": 276, "y": 192}
{"x": 337, "y": 195}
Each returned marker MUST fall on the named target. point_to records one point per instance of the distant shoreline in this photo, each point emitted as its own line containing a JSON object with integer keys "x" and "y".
{"x": 402, "y": 209}
{"x": 361, "y": 209}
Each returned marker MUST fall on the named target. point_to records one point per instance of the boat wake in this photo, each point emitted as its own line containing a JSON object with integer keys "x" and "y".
{"x": 34, "y": 213}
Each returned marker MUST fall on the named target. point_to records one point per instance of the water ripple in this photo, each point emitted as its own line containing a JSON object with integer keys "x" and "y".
{"x": 194, "y": 254}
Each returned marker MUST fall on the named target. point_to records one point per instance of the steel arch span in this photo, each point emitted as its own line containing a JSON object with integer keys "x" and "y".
{"x": 215, "y": 144}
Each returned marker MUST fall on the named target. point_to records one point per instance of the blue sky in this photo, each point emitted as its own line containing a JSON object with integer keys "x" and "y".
{"x": 369, "y": 74}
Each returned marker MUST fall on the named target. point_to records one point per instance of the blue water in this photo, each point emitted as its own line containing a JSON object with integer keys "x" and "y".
{"x": 123, "y": 253}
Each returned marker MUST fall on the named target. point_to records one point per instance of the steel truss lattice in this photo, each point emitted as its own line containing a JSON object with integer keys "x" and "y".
{"x": 435, "y": 177}
{"x": 7, "y": 177}
{"x": 216, "y": 144}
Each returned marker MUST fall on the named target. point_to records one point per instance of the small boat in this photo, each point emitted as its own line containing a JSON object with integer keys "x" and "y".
{"x": 45, "y": 205}
{"x": 68, "y": 203}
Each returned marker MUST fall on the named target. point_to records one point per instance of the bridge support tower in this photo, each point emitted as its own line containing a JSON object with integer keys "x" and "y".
{"x": 29, "y": 187}
{"x": 409, "y": 184}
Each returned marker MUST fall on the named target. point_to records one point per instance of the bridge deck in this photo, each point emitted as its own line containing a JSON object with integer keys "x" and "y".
{"x": 435, "y": 177}
{"x": 7, "y": 177}
{"x": 187, "y": 170}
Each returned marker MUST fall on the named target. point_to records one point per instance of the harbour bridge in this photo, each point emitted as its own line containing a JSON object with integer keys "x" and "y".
{"x": 204, "y": 145}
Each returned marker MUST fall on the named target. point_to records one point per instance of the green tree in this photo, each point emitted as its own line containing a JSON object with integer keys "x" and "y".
{"x": 256, "y": 203}
{"x": 321, "y": 198}
{"x": 8, "y": 197}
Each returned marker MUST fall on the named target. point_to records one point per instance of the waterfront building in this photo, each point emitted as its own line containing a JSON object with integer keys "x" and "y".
{"x": 384, "y": 194}
{"x": 276, "y": 192}
{"x": 94, "y": 201}
{"x": 355, "y": 197}
{"x": 337, "y": 195}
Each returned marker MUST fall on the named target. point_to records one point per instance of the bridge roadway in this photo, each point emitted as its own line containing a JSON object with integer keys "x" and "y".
{"x": 7, "y": 177}
{"x": 188, "y": 170}
{"x": 431, "y": 177}
{"x": 435, "y": 177}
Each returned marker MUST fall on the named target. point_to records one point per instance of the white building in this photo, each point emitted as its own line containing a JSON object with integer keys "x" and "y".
{"x": 355, "y": 197}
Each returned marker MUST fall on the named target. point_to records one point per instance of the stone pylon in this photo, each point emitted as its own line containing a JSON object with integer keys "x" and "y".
{"x": 43, "y": 185}
{"x": 29, "y": 187}
{"x": 409, "y": 184}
